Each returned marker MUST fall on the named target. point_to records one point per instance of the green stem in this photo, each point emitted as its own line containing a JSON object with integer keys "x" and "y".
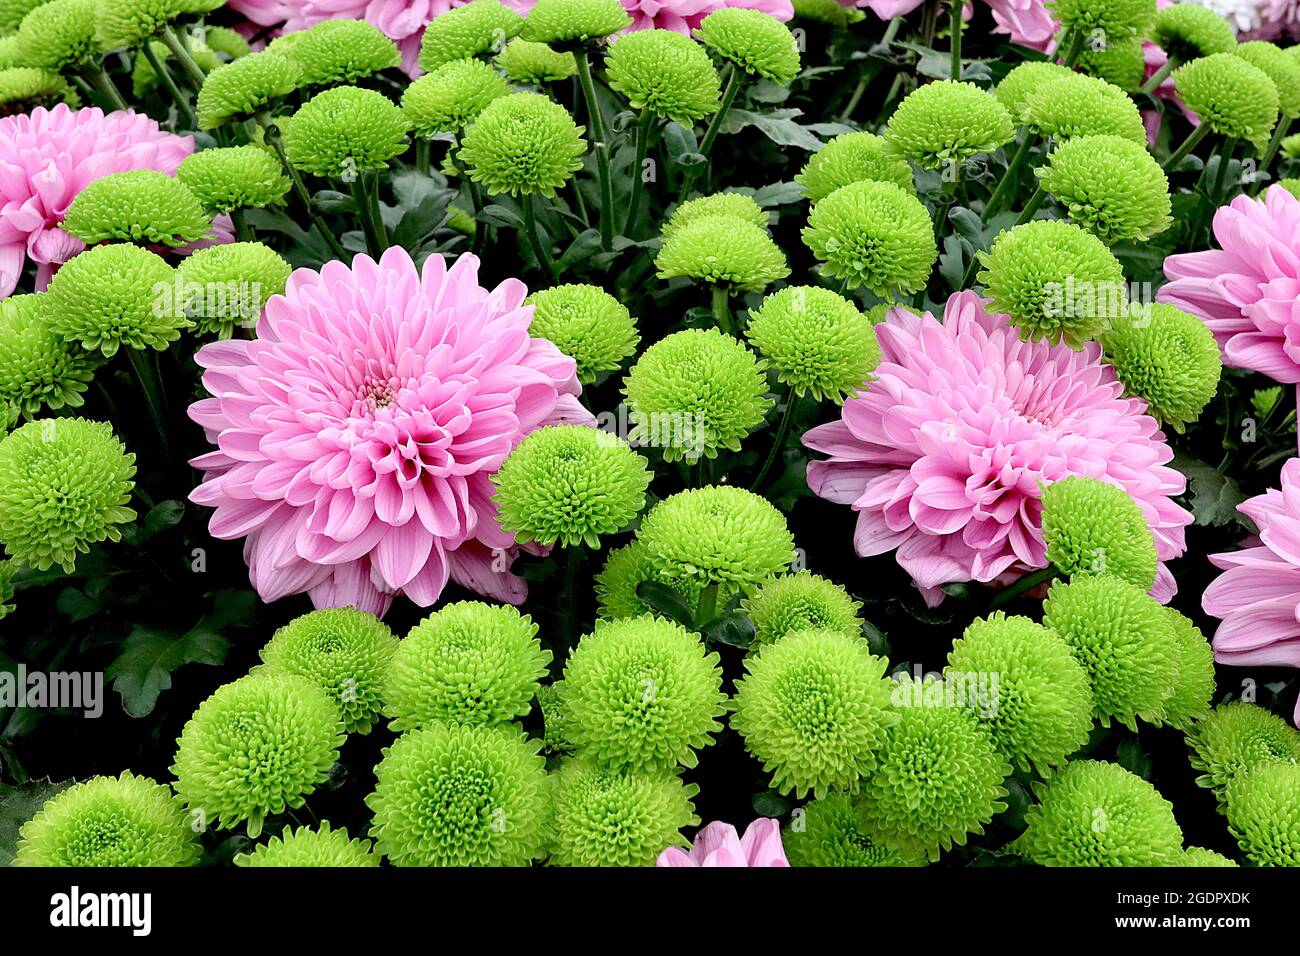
{"x": 1189, "y": 144}
{"x": 165, "y": 75}
{"x": 242, "y": 232}
{"x": 1274, "y": 144}
{"x": 929, "y": 22}
{"x": 1031, "y": 207}
{"x": 480, "y": 228}
{"x": 1075, "y": 48}
{"x": 778, "y": 443}
{"x": 1004, "y": 187}
{"x": 362, "y": 201}
{"x": 422, "y": 150}
{"x": 1225, "y": 160}
{"x": 1027, "y": 583}
{"x": 272, "y": 136}
{"x": 600, "y": 144}
{"x": 715, "y": 126}
{"x": 707, "y": 609}
{"x": 147, "y": 376}
{"x": 722, "y": 309}
{"x": 955, "y": 8}
{"x": 1159, "y": 76}
{"x": 544, "y": 260}
{"x": 638, "y": 173}
{"x": 891, "y": 31}
{"x": 193, "y": 72}
{"x": 377, "y": 213}
{"x": 103, "y": 83}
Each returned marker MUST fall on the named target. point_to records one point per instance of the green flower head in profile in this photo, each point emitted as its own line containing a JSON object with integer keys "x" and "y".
{"x": 38, "y": 367}
{"x": 1093, "y": 527}
{"x": 1121, "y": 64}
{"x": 524, "y": 61}
{"x": 736, "y": 205}
{"x": 344, "y": 130}
{"x": 24, "y": 88}
{"x": 830, "y": 12}
{"x": 59, "y": 34}
{"x": 477, "y": 28}
{"x": 1264, "y": 815}
{"x": 1233, "y": 97}
{"x": 1186, "y": 31}
{"x": 798, "y": 602}
{"x": 587, "y": 324}
{"x": 304, "y": 846}
{"x": 246, "y": 86}
{"x": 522, "y": 145}
{"x": 141, "y": 205}
{"x": 1236, "y": 738}
{"x": 129, "y": 23}
{"x": 1111, "y": 186}
{"x": 946, "y": 122}
{"x": 1194, "y": 686}
{"x": 1023, "y": 81}
{"x": 723, "y": 251}
{"x": 754, "y": 41}
{"x": 342, "y": 51}
{"x": 873, "y": 234}
{"x": 1072, "y": 104}
{"x": 234, "y": 177}
{"x": 826, "y": 832}
{"x": 571, "y": 23}
{"x": 228, "y": 285}
{"x": 1112, "y": 19}
{"x": 1280, "y": 67}
{"x": 452, "y": 96}
{"x": 851, "y": 158}
{"x": 664, "y": 73}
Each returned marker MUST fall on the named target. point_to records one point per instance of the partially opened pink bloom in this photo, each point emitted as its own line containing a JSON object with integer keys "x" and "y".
{"x": 945, "y": 453}
{"x": 683, "y": 16}
{"x": 47, "y": 158}
{"x": 357, "y": 433}
{"x": 1258, "y": 595}
{"x": 718, "y": 845}
{"x": 888, "y": 9}
{"x": 1026, "y": 22}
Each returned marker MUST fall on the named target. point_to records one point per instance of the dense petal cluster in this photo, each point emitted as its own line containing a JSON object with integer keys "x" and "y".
{"x": 1263, "y": 814}
{"x": 523, "y": 144}
{"x": 234, "y": 177}
{"x": 755, "y": 41}
{"x": 38, "y": 367}
{"x": 452, "y": 96}
{"x": 851, "y": 158}
{"x": 1231, "y": 96}
{"x": 1111, "y": 186}
{"x": 799, "y": 602}
{"x": 873, "y": 234}
{"x": 587, "y": 324}
{"x": 343, "y": 131}
{"x": 1234, "y": 740}
{"x": 948, "y": 122}
{"x": 664, "y": 73}
{"x": 826, "y": 832}
{"x": 307, "y": 847}
{"x": 1093, "y": 527}
{"x": 244, "y": 87}
{"x": 143, "y": 206}
{"x": 722, "y": 250}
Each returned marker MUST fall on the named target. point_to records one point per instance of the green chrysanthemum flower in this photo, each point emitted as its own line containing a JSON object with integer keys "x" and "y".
{"x": 937, "y": 778}
{"x": 1186, "y": 31}
{"x": 695, "y": 392}
{"x": 535, "y": 63}
{"x": 570, "y": 484}
{"x": 109, "y": 821}
{"x": 735, "y": 205}
{"x": 642, "y": 693}
{"x": 554, "y": 737}
{"x": 587, "y": 324}
{"x": 1056, "y": 281}
{"x": 664, "y": 73}
{"x": 725, "y": 251}
{"x": 454, "y": 795}
{"x": 1112, "y": 19}
{"x": 606, "y": 817}
{"x": 452, "y": 96}
{"x": 948, "y": 122}
{"x": 106, "y": 298}
{"x": 1201, "y": 857}
{"x": 626, "y": 569}
{"x": 1109, "y": 185}
{"x": 798, "y": 602}
{"x": 342, "y": 51}
{"x": 873, "y": 234}
{"x": 1092, "y": 527}
{"x": 1280, "y": 67}
{"x": 225, "y": 40}
{"x": 344, "y": 652}
{"x": 128, "y": 23}
{"x": 1040, "y": 709}
{"x": 13, "y": 11}
{"x": 468, "y": 663}
{"x": 523, "y": 144}
{"x": 227, "y": 285}
{"x": 1168, "y": 358}
{"x": 1098, "y": 814}
{"x": 245, "y": 87}
{"x": 256, "y": 747}
{"x": 852, "y": 158}
{"x": 307, "y": 847}
{"x": 1024, "y": 80}
{"x": 234, "y": 177}
{"x": 1124, "y": 641}
{"x": 756, "y": 42}
{"x": 717, "y": 535}
{"x": 141, "y": 205}
{"x": 58, "y": 34}
{"x": 573, "y": 22}
{"x": 343, "y": 130}
{"x": 65, "y": 484}
{"x": 826, "y": 832}
{"x": 1122, "y": 64}
{"x": 1234, "y": 98}
{"x": 1072, "y": 104}
{"x": 24, "y": 88}
{"x": 38, "y": 368}
{"x": 817, "y": 341}
{"x": 1194, "y": 687}
{"x": 827, "y": 11}
{"x": 1235, "y": 739}
{"x": 1264, "y": 814}
{"x": 481, "y": 26}
{"x": 813, "y": 709}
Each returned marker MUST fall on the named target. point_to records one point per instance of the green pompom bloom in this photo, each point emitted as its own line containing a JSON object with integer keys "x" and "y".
{"x": 756, "y": 42}
{"x": 225, "y": 40}
{"x": 479, "y": 27}
{"x": 13, "y": 11}
{"x": 946, "y": 122}
{"x": 554, "y": 739}
{"x": 817, "y": 341}
{"x": 256, "y": 747}
{"x": 813, "y": 709}
{"x": 452, "y": 795}
{"x": 344, "y": 652}
{"x": 826, "y": 832}
{"x": 65, "y": 484}
{"x": 1194, "y": 686}
{"x": 1186, "y": 31}
{"x": 1280, "y": 67}
{"x": 38, "y": 368}
{"x": 1122, "y": 64}
{"x": 1264, "y": 815}
{"x": 107, "y": 298}
{"x": 535, "y": 63}
{"x": 1056, "y": 281}
{"x": 523, "y": 144}
{"x": 735, "y": 205}
{"x": 109, "y": 821}
{"x": 1234, "y": 98}
{"x": 642, "y": 693}
{"x": 1124, "y": 641}
{"x": 245, "y": 87}
{"x": 452, "y": 96}
{"x": 227, "y": 285}
{"x": 342, "y": 51}
{"x": 664, "y": 73}
{"x": 1024, "y": 80}
{"x": 827, "y": 11}
{"x": 313, "y": 848}
{"x": 1109, "y": 185}
{"x": 1235, "y": 739}
{"x": 143, "y": 206}
{"x": 128, "y": 23}
{"x": 798, "y": 602}
{"x": 467, "y": 663}
{"x": 1041, "y": 707}
{"x": 574, "y": 22}
{"x": 570, "y": 484}
{"x": 626, "y": 569}
{"x": 1168, "y": 358}
{"x": 723, "y": 251}
{"x": 1092, "y": 527}
{"x": 1201, "y": 857}
{"x": 1072, "y": 104}
{"x": 873, "y": 234}
{"x": 1098, "y": 814}
{"x": 58, "y": 34}
{"x": 587, "y": 324}
{"x": 694, "y": 393}
{"x": 606, "y": 817}
{"x": 851, "y": 158}
{"x": 234, "y": 177}
{"x": 1112, "y": 19}
{"x": 717, "y": 535}
{"x": 24, "y": 88}
{"x": 343, "y": 130}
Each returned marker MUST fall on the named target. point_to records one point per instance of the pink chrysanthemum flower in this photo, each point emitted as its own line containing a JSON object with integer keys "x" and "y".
{"x": 718, "y": 845}
{"x": 944, "y": 454}
{"x": 47, "y": 158}
{"x": 358, "y": 432}
{"x": 1026, "y": 22}
{"x": 1258, "y": 595}
{"x": 684, "y": 16}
